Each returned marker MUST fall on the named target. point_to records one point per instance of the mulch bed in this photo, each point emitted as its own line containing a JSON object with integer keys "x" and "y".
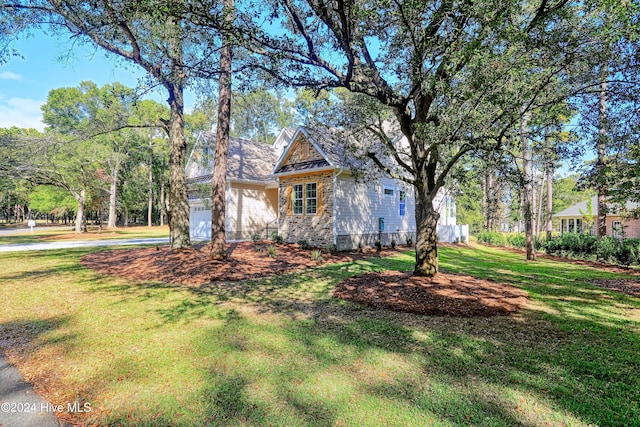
{"x": 194, "y": 267}
{"x": 443, "y": 295}
{"x": 626, "y": 286}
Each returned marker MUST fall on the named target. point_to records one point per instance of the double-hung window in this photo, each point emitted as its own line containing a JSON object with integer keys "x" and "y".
{"x": 297, "y": 199}
{"x": 305, "y": 199}
{"x": 616, "y": 229}
{"x": 312, "y": 198}
{"x": 403, "y": 203}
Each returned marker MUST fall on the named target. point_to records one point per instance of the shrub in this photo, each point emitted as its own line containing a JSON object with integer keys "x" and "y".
{"x": 410, "y": 241}
{"x": 538, "y": 244}
{"x": 303, "y": 244}
{"x": 630, "y": 252}
{"x": 256, "y": 237}
{"x": 332, "y": 249}
{"x": 492, "y": 238}
{"x": 378, "y": 246}
{"x": 271, "y": 251}
{"x": 517, "y": 240}
{"x": 393, "y": 244}
{"x": 571, "y": 244}
{"x": 608, "y": 249}
{"x": 276, "y": 238}
{"x": 316, "y": 255}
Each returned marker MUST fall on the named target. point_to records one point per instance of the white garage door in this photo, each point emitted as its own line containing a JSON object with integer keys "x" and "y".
{"x": 200, "y": 223}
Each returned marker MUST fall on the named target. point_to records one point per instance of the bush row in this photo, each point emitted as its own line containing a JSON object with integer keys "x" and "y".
{"x": 573, "y": 245}
{"x": 515, "y": 240}
{"x": 584, "y": 246}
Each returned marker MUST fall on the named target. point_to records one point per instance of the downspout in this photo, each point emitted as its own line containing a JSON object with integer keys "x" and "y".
{"x": 335, "y": 184}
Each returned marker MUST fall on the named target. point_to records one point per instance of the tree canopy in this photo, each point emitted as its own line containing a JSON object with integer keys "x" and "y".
{"x": 457, "y": 76}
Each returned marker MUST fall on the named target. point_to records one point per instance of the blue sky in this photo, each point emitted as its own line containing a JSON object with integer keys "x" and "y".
{"x": 53, "y": 62}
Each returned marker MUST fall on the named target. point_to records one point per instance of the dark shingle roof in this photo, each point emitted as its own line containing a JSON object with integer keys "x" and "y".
{"x": 247, "y": 160}
{"x": 315, "y": 164}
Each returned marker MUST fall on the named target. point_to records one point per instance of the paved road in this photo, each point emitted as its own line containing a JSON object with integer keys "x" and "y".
{"x": 9, "y": 231}
{"x": 68, "y": 244}
{"x": 20, "y": 406}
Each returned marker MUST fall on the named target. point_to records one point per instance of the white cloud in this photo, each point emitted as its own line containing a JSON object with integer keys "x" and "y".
{"x": 8, "y": 75}
{"x": 21, "y": 112}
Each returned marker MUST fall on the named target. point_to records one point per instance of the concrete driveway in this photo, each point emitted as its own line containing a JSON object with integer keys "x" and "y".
{"x": 69, "y": 244}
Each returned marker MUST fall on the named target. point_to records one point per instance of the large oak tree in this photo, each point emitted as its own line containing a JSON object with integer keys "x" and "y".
{"x": 456, "y": 75}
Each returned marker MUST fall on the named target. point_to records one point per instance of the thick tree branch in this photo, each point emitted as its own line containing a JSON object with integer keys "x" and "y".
{"x": 387, "y": 170}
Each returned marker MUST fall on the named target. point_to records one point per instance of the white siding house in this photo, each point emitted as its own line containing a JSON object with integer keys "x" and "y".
{"x": 304, "y": 188}
{"x": 351, "y": 211}
{"x": 251, "y": 194}
{"x": 360, "y": 208}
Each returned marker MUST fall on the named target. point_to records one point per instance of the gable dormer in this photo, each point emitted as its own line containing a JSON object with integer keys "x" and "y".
{"x": 301, "y": 155}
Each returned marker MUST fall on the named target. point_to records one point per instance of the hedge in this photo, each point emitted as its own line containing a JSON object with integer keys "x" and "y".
{"x": 573, "y": 245}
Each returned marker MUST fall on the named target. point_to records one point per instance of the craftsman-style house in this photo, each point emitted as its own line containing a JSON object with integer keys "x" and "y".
{"x": 304, "y": 187}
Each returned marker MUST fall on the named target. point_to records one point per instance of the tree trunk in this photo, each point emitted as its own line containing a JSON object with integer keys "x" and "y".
{"x": 80, "y": 197}
{"x": 219, "y": 181}
{"x": 150, "y": 198}
{"x": 178, "y": 200}
{"x": 601, "y": 163}
{"x": 483, "y": 204}
{"x": 539, "y": 209}
{"x": 549, "y": 222}
{"x": 113, "y": 188}
{"x": 163, "y": 203}
{"x": 426, "y": 235}
{"x": 528, "y": 194}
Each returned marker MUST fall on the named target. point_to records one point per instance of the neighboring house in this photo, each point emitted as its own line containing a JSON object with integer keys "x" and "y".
{"x": 579, "y": 218}
{"x": 312, "y": 194}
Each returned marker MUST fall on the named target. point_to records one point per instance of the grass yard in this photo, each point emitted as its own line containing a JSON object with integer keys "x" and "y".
{"x": 281, "y": 351}
{"x": 50, "y": 234}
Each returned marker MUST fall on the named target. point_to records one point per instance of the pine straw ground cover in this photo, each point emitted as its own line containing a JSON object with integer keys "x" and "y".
{"x": 445, "y": 295}
{"x": 282, "y": 350}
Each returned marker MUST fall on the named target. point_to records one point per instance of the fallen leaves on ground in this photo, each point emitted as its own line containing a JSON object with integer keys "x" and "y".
{"x": 442, "y": 295}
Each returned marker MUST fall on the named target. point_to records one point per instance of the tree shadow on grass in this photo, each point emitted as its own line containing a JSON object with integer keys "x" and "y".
{"x": 500, "y": 371}
{"x": 563, "y": 287}
{"x": 28, "y": 335}
{"x": 575, "y": 364}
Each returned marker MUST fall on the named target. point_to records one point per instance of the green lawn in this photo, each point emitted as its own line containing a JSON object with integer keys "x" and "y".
{"x": 281, "y": 351}
{"x": 46, "y": 234}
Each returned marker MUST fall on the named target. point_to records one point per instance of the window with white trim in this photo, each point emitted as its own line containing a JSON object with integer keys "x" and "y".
{"x": 312, "y": 198}
{"x": 297, "y": 199}
{"x": 403, "y": 203}
{"x": 616, "y": 229}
